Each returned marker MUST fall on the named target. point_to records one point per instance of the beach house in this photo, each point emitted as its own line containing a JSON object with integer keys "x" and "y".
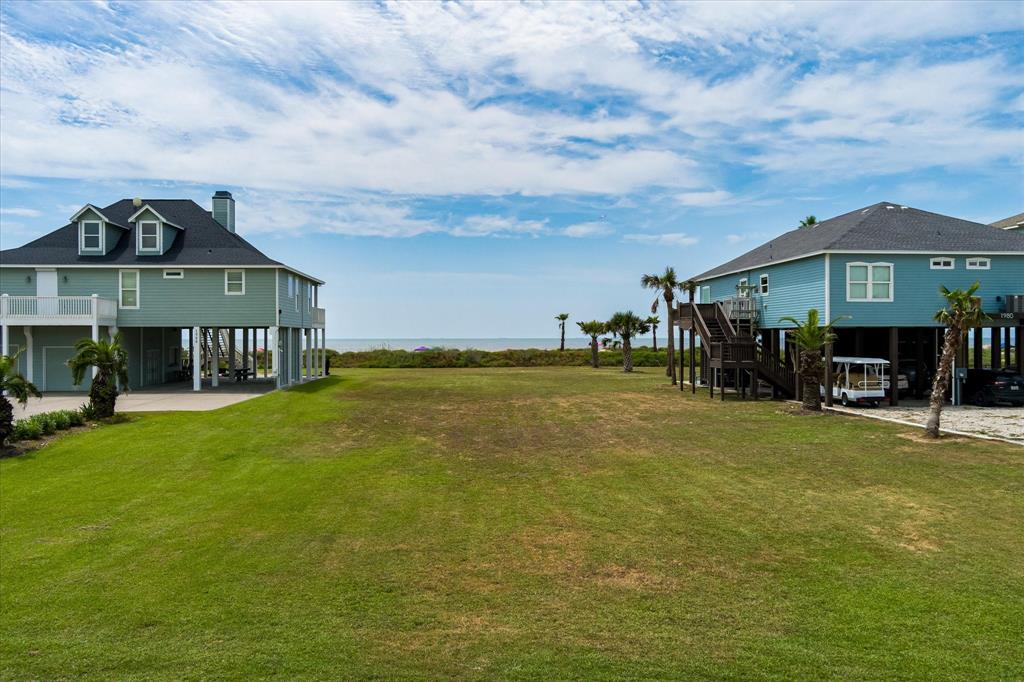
{"x": 876, "y": 270}
{"x": 192, "y": 300}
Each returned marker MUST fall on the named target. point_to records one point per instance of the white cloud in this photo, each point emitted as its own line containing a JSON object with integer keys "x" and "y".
{"x": 591, "y": 229}
{"x": 23, "y": 212}
{"x": 493, "y": 225}
{"x": 665, "y": 239}
{"x": 706, "y": 198}
{"x": 734, "y": 238}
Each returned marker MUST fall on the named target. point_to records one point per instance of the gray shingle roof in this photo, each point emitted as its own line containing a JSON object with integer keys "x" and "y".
{"x": 1012, "y": 221}
{"x": 203, "y": 241}
{"x": 884, "y": 226}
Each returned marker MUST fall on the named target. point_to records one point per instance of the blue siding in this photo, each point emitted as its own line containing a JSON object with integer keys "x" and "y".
{"x": 793, "y": 288}
{"x": 916, "y": 295}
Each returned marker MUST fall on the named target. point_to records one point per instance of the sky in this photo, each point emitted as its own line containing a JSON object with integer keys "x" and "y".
{"x": 472, "y": 170}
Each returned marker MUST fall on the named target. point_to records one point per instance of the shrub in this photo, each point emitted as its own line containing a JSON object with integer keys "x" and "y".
{"x": 60, "y": 420}
{"x": 45, "y": 422}
{"x": 25, "y": 429}
{"x": 88, "y": 412}
{"x": 75, "y": 417}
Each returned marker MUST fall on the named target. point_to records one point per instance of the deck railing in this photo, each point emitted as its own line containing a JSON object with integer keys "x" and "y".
{"x": 741, "y": 307}
{"x": 319, "y": 317}
{"x": 57, "y": 309}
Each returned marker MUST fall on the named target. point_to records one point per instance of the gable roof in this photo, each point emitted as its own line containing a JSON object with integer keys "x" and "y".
{"x": 202, "y": 241}
{"x": 1011, "y": 222}
{"x": 884, "y": 226}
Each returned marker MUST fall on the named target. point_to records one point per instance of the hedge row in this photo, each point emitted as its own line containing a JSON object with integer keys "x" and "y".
{"x": 643, "y": 356}
{"x": 47, "y": 423}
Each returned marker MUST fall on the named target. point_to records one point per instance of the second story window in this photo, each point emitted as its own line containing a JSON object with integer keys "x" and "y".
{"x": 129, "y": 289}
{"x": 91, "y": 235}
{"x": 234, "y": 282}
{"x": 869, "y": 282}
{"x": 979, "y": 263}
{"x": 942, "y": 263}
{"x": 149, "y": 236}
{"x": 764, "y": 285}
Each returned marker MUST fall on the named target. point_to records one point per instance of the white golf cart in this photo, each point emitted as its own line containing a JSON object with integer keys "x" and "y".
{"x": 859, "y": 381}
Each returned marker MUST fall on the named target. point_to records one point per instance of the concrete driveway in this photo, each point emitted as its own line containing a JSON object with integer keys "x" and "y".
{"x": 1006, "y": 423}
{"x": 163, "y": 398}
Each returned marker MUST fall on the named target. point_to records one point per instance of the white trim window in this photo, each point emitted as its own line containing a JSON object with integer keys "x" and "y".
{"x": 979, "y": 263}
{"x": 763, "y": 284}
{"x": 870, "y": 282}
{"x": 743, "y": 288}
{"x": 234, "y": 282}
{"x": 943, "y": 263}
{"x": 128, "y": 289}
{"x": 149, "y": 236}
{"x": 174, "y": 274}
{"x": 91, "y": 235}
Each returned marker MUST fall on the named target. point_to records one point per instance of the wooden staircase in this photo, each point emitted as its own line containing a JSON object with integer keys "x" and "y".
{"x": 727, "y": 348}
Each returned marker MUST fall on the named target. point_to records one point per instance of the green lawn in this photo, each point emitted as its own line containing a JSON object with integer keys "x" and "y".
{"x": 504, "y": 523}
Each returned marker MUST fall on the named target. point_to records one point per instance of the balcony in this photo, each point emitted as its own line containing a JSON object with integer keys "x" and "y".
{"x": 318, "y": 318}
{"x": 69, "y": 311}
{"x": 741, "y": 307}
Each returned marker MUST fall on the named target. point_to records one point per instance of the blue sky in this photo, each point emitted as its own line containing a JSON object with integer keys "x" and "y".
{"x": 469, "y": 170}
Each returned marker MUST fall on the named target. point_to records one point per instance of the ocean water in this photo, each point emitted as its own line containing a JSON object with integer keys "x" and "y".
{"x": 343, "y": 345}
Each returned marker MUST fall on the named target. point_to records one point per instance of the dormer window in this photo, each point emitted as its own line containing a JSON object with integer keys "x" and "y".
{"x": 149, "y": 236}
{"x": 92, "y": 235}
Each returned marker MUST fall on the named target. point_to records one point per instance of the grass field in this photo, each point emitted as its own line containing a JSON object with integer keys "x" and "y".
{"x": 510, "y": 523}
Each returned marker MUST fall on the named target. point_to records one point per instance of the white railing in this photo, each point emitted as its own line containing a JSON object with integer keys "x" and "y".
{"x": 57, "y": 309}
{"x": 741, "y": 307}
{"x": 319, "y": 316}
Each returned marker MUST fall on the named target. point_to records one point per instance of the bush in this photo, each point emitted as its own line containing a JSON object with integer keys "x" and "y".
{"x": 45, "y": 422}
{"x": 75, "y": 417}
{"x": 643, "y": 356}
{"x": 26, "y": 429}
{"x": 88, "y": 412}
{"x": 61, "y": 420}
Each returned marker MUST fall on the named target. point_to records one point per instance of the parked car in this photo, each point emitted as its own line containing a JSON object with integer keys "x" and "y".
{"x": 908, "y": 369}
{"x": 990, "y": 387}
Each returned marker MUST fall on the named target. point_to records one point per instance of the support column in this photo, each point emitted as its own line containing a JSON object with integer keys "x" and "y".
{"x": 919, "y": 362}
{"x": 308, "y": 333}
{"x": 1020, "y": 349}
{"x": 1007, "y": 346}
{"x": 215, "y": 353}
{"x": 693, "y": 362}
{"x": 978, "y": 349}
{"x": 195, "y": 352}
{"x": 96, "y": 329}
{"x": 894, "y": 366}
{"x": 29, "y": 355}
{"x": 266, "y": 353}
{"x": 5, "y": 334}
{"x": 231, "y": 355}
{"x": 245, "y": 352}
{"x": 271, "y": 354}
{"x": 829, "y": 379}
{"x": 997, "y": 351}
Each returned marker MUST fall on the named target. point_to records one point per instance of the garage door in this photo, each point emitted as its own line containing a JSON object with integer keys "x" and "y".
{"x": 58, "y": 374}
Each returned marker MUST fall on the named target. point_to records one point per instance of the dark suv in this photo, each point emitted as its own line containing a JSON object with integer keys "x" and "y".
{"x": 990, "y": 387}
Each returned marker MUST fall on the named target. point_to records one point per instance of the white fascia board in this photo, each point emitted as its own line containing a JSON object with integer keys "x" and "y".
{"x": 174, "y": 266}
{"x": 152, "y": 210}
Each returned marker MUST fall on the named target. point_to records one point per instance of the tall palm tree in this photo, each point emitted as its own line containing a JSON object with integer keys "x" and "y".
{"x": 626, "y": 326}
{"x": 809, "y": 221}
{"x": 811, "y": 337}
{"x": 654, "y": 321}
{"x": 593, "y": 329}
{"x": 665, "y": 284}
{"x": 562, "y": 317}
{"x": 689, "y": 287}
{"x": 12, "y": 385}
{"x": 962, "y": 311}
{"x": 111, "y": 362}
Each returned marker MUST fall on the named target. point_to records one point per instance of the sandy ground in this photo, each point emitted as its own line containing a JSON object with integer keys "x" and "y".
{"x": 998, "y": 422}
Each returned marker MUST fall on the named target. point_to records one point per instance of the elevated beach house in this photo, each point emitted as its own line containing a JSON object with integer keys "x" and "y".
{"x": 879, "y": 269}
{"x": 190, "y": 297}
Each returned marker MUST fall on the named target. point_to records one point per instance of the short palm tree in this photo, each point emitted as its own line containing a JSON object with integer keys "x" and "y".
{"x": 665, "y": 284}
{"x": 654, "y": 321}
{"x": 963, "y": 311}
{"x": 626, "y": 326}
{"x": 111, "y": 362}
{"x": 12, "y": 385}
{"x": 593, "y": 329}
{"x": 562, "y": 317}
{"x": 811, "y": 337}
{"x": 809, "y": 221}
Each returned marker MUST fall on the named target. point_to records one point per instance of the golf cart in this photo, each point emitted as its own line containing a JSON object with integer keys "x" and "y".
{"x": 859, "y": 381}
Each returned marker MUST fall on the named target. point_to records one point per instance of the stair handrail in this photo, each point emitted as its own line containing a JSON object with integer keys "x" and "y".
{"x": 702, "y": 326}
{"x": 724, "y": 320}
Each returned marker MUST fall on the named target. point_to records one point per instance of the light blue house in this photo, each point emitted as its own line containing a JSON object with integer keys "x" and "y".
{"x": 176, "y": 281}
{"x": 879, "y": 270}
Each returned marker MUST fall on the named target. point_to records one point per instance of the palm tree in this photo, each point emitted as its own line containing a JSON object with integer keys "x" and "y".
{"x": 593, "y": 329}
{"x": 689, "y": 287}
{"x": 962, "y": 311}
{"x": 809, "y": 221}
{"x": 810, "y": 337}
{"x": 665, "y": 285}
{"x": 654, "y": 321}
{"x": 562, "y": 317}
{"x": 626, "y": 326}
{"x": 12, "y": 385}
{"x": 111, "y": 362}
